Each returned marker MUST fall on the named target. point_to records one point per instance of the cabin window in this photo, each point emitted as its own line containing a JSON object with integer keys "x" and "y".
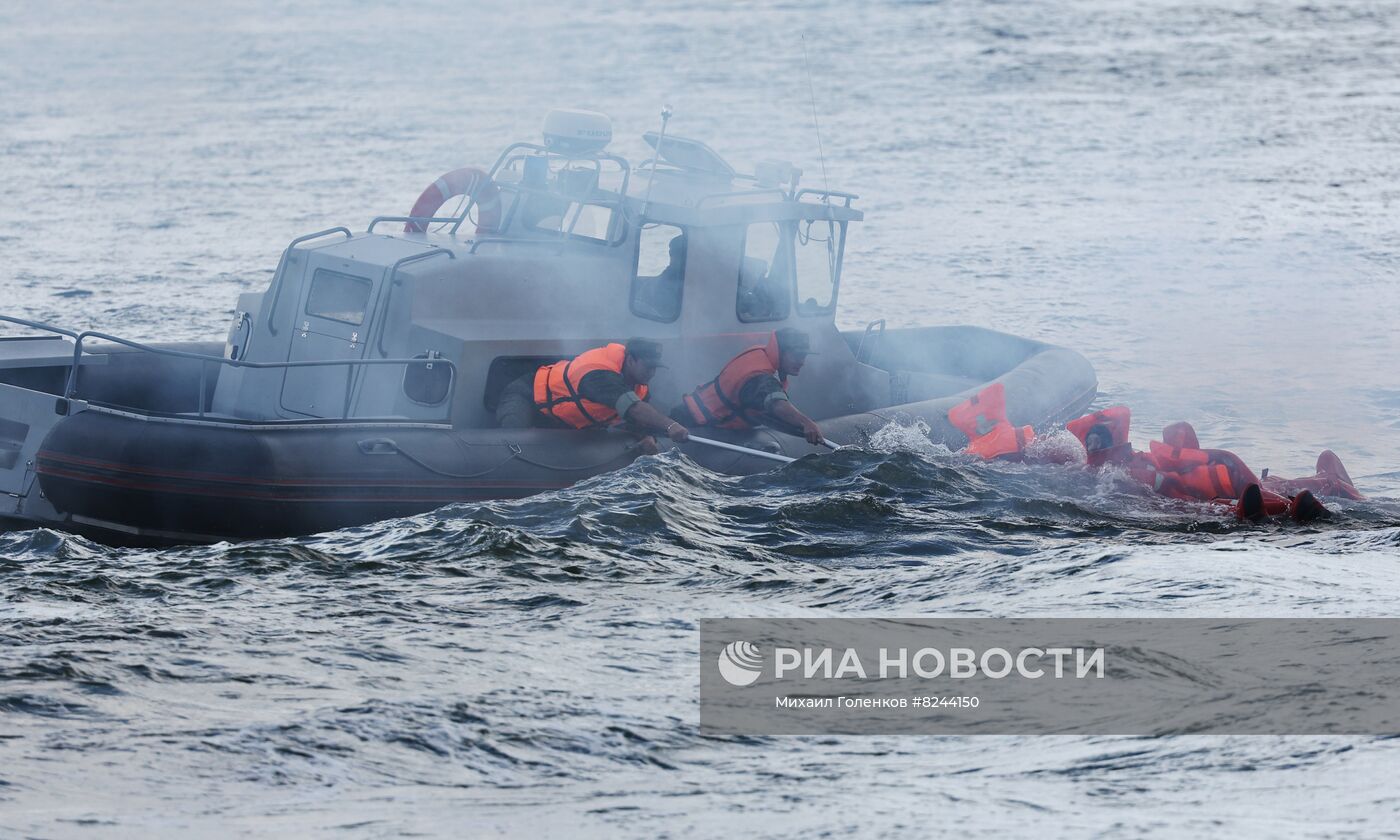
{"x": 583, "y": 221}
{"x": 765, "y": 278}
{"x": 818, "y": 250}
{"x": 657, "y": 285}
{"x": 338, "y": 297}
{"x": 542, "y": 210}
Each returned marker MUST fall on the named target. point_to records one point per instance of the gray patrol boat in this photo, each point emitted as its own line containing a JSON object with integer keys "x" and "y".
{"x": 362, "y": 384}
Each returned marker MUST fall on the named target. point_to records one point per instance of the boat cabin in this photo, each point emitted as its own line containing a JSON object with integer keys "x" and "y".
{"x": 560, "y": 247}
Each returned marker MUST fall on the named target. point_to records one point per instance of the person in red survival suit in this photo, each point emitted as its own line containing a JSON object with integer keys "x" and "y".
{"x": 990, "y": 434}
{"x": 1330, "y": 477}
{"x": 1176, "y": 467}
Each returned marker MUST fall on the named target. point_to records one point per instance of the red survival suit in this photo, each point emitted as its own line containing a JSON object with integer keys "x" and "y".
{"x": 1176, "y": 467}
{"x": 1179, "y": 468}
{"x": 1329, "y": 479}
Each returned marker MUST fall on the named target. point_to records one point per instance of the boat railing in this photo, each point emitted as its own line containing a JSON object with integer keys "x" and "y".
{"x": 874, "y": 331}
{"x": 510, "y": 156}
{"x": 614, "y": 203}
{"x": 392, "y": 280}
{"x": 72, "y": 387}
{"x": 276, "y": 291}
{"x": 421, "y": 220}
{"x": 826, "y": 195}
{"x": 39, "y": 325}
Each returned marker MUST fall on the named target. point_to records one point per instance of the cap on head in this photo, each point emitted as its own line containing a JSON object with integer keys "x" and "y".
{"x": 792, "y": 340}
{"x": 644, "y": 350}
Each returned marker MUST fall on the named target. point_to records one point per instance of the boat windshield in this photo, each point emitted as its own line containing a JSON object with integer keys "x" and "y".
{"x": 580, "y": 219}
{"x": 787, "y": 261}
{"x": 818, "y": 261}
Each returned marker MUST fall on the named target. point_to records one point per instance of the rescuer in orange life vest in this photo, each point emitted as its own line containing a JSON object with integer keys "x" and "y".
{"x": 1176, "y": 467}
{"x": 751, "y": 390}
{"x": 605, "y": 386}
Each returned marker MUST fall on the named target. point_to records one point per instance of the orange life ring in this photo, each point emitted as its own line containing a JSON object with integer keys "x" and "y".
{"x": 468, "y": 181}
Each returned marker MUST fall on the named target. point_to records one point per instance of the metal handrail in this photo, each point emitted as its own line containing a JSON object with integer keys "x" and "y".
{"x": 848, "y": 197}
{"x": 869, "y": 330}
{"x": 424, "y": 220}
{"x": 392, "y": 278}
{"x": 276, "y": 290}
{"x": 70, "y": 390}
{"x": 617, "y": 204}
{"x": 506, "y": 156}
{"x": 38, "y": 325}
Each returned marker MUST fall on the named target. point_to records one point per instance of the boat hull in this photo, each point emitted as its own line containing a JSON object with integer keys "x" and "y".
{"x": 135, "y": 478}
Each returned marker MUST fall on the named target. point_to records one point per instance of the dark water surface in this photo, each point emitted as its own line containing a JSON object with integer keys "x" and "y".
{"x": 1197, "y": 196}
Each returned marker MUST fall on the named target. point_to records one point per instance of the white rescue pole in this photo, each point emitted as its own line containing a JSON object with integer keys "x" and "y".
{"x": 757, "y": 453}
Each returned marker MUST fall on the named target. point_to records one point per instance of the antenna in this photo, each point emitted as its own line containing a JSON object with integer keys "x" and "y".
{"x": 665, "y": 118}
{"x": 813, "y": 91}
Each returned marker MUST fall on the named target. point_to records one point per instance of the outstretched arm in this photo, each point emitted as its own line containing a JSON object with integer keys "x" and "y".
{"x": 609, "y": 388}
{"x": 645, "y": 415}
{"x": 785, "y": 411}
{"x": 765, "y": 395}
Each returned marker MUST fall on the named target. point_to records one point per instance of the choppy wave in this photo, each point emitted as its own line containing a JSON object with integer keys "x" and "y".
{"x": 548, "y": 643}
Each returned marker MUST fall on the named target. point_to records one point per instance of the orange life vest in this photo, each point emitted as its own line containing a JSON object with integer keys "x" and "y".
{"x": 1209, "y": 473}
{"x": 1118, "y": 420}
{"x": 1003, "y": 439}
{"x": 716, "y": 403}
{"x": 982, "y": 417}
{"x": 1206, "y": 482}
{"x": 981, "y": 412}
{"x": 1177, "y": 458}
{"x": 556, "y": 388}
